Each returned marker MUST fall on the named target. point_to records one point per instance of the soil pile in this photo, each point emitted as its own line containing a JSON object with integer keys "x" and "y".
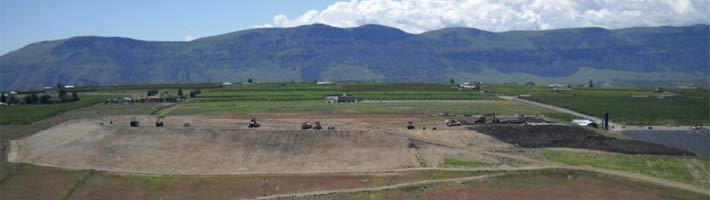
{"x": 571, "y": 137}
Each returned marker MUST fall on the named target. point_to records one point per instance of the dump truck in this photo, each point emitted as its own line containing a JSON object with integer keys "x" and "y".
{"x": 453, "y": 122}
{"x": 135, "y": 123}
{"x": 306, "y": 125}
{"x": 410, "y": 125}
{"x": 159, "y": 122}
{"x": 253, "y": 123}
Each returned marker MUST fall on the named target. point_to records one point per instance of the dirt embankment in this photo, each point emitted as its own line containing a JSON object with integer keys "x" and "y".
{"x": 571, "y": 137}
{"x": 86, "y": 144}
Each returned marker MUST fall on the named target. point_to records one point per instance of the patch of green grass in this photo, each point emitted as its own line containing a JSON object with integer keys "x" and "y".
{"x": 608, "y": 134}
{"x": 27, "y": 114}
{"x": 690, "y": 170}
{"x": 444, "y": 174}
{"x": 32, "y": 182}
{"x": 453, "y": 162}
{"x": 500, "y": 107}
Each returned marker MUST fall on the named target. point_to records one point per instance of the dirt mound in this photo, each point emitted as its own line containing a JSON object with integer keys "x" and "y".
{"x": 571, "y": 137}
{"x": 85, "y": 144}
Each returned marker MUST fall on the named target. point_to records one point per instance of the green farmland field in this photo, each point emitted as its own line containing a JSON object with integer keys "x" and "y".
{"x": 501, "y": 107}
{"x": 628, "y": 106}
{"x": 309, "y": 91}
{"x": 27, "y": 114}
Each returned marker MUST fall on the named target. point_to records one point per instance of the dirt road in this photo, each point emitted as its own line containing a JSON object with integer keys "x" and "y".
{"x": 560, "y": 109}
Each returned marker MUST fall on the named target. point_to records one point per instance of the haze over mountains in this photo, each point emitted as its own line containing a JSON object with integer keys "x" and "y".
{"x": 371, "y": 53}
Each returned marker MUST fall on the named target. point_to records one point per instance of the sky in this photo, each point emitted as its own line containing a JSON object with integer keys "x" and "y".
{"x": 26, "y": 21}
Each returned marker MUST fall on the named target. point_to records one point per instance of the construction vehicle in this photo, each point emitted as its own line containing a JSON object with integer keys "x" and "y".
{"x": 253, "y": 123}
{"x": 317, "y": 126}
{"x": 410, "y": 125}
{"x": 488, "y": 118}
{"x": 159, "y": 121}
{"x": 453, "y": 122}
{"x": 331, "y": 128}
{"x": 135, "y": 123}
{"x": 306, "y": 125}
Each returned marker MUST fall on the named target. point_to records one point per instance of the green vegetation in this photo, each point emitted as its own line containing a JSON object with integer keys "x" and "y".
{"x": 502, "y": 107}
{"x": 369, "y": 91}
{"x": 453, "y": 162}
{"x": 628, "y": 106}
{"x": 690, "y": 170}
{"x": 27, "y": 114}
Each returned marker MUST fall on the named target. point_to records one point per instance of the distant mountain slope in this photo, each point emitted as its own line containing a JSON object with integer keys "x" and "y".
{"x": 366, "y": 53}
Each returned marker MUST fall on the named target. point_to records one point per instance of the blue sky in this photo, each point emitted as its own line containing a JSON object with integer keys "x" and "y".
{"x": 25, "y": 21}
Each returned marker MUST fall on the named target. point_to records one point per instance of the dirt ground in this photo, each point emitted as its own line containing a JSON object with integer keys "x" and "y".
{"x": 545, "y": 184}
{"x": 536, "y": 136}
{"x": 224, "y": 145}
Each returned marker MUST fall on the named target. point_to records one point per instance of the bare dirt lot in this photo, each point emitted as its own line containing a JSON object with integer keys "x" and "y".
{"x": 571, "y": 137}
{"x": 224, "y": 144}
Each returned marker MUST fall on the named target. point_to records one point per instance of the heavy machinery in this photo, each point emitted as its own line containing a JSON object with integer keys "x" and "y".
{"x": 253, "y": 123}
{"x": 159, "y": 121}
{"x": 135, "y": 123}
{"x": 488, "y": 118}
{"x": 410, "y": 125}
{"x": 317, "y": 126}
{"x": 306, "y": 125}
{"x": 453, "y": 122}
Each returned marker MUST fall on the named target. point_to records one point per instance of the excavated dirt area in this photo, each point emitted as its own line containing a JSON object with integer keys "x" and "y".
{"x": 538, "y": 136}
{"x": 224, "y": 144}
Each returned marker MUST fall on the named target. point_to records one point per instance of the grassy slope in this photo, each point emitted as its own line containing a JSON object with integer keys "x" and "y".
{"x": 693, "y": 171}
{"x": 530, "y": 183}
{"x": 37, "y": 182}
{"x": 453, "y": 162}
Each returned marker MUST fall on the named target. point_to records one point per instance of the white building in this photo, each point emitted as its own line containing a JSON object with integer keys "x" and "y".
{"x": 324, "y": 82}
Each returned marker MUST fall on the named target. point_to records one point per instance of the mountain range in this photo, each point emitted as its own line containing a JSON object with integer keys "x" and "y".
{"x": 370, "y": 53}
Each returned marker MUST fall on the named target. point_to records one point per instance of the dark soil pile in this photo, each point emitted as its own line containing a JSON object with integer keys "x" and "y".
{"x": 571, "y": 137}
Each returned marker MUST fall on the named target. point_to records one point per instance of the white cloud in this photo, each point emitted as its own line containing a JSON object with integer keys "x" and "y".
{"x": 189, "y": 38}
{"x": 417, "y": 16}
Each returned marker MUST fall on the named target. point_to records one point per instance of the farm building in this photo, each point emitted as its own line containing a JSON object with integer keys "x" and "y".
{"x": 150, "y": 99}
{"x": 69, "y": 86}
{"x": 324, "y": 83}
{"x": 341, "y": 99}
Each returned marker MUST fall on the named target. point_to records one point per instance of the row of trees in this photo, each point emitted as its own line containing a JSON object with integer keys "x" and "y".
{"x": 35, "y": 98}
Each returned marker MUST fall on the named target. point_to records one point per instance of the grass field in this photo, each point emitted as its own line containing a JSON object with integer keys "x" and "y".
{"x": 694, "y": 171}
{"x": 37, "y": 182}
{"x": 501, "y": 107}
{"x": 453, "y": 162}
{"x": 27, "y": 114}
{"x": 628, "y": 106}
{"x": 309, "y": 91}
{"x": 537, "y": 184}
